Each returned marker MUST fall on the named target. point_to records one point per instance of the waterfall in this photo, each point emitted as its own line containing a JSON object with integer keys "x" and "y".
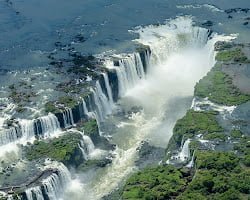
{"x": 171, "y": 37}
{"x": 43, "y": 126}
{"x": 27, "y": 129}
{"x": 10, "y": 135}
{"x": 103, "y": 99}
{"x": 98, "y": 110}
{"x": 84, "y": 154}
{"x": 139, "y": 65}
{"x": 49, "y": 124}
{"x": 52, "y": 187}
{"x": 68, "y": 117}
{"x": 191, "y": 163}
{"x": 34, "y": 192}
{"x": 86, "y": 146}
{"x": 84, "y": 107}
{"x": 102, "y": 103}
{"x": 129, "y": 71}
{"x": 185, "y": 154}
{"x": 89, "y": 144}
{"x": 109, "y": 90}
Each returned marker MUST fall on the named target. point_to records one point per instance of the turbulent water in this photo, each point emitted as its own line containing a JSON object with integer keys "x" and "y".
{"x": 176, "y": 46}
{"x": 154, "y": 90}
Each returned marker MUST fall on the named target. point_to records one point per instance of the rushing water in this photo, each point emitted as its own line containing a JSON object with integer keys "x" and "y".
{"x": 176, "y": 46}
{"x": 150, "y": 100}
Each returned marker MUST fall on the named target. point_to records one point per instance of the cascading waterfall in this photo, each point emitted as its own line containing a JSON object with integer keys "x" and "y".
{"x": 52, "y": 187}
{"x": 109, "y": 90}
{"x": 180, "y": 54}
{"x": 129, "y": 71}
{"x": 27, "y": 129}
{"x": 139, "y": 66}
{"x": 171, "y": 37}
{"x": 49, "y": 124}
{"x": 191, "y": 163}
{"x": 89, "y": 144}
{"x": 10, "y": 135}
{"x": 34, "y": 192}
{"x": 163, "y": 41}
{"x": 68, "y": 118}
{"x": 45, "y": 126}
{"x": 84, "y": 154}
{"x": 185, "y": 153}
{"x": 98, "y": 110}
{"x": 103, "y": 105}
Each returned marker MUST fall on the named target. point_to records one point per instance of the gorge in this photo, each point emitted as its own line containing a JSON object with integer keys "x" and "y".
{"x": 121, "y": 125}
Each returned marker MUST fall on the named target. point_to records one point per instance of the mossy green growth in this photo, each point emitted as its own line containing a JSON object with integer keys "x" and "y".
{"x": 194, "y": 123}
{"x": 227, "y": 161}
{"x": 236, "y": 134}
{"x": 67, "y": 101}
{"x": 243, "y": 149}
{"x": 90, "y": 127}
{"x": 63, "y": 149}
{"x": 162, "y": 182}
{"x": 50, "y": 107}
{"x": 218, "y": 176}
{"x": 235, "y": 55}
{"x": 214, "y": 136}
{"x": 219, "y": 88}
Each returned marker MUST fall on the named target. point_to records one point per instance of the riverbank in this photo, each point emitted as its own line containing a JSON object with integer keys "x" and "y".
{"x": 205, "y": 159}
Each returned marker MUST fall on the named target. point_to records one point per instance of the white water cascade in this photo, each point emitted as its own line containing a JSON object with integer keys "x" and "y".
{"x": 9, "y": 135}
{"x": 68, "y": 117}
{"x": 185, "y": 153}
{"x": 103, "y": 105}
{"x": 34, "y": 191}
{"x": 49, "y": 124}
{"x": 25, "y": 130}
{"x": 191, "y": 162}
{"x": 53, "y": 186}
{"x": 181, "y": 54}
{"x": 109, "y": 90}
{"x": 129, "y": 71}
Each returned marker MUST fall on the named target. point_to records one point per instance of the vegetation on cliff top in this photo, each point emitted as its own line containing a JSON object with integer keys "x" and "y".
{"x": 63, "y": 149}
{"x": 218, "y": 176}
{"x": 161, "y": 182}
{"x": 235, "y": 55}
{"x": 219, "y": 88}
{"x": 194, "y": 123}
{"x": 66, "y": 101}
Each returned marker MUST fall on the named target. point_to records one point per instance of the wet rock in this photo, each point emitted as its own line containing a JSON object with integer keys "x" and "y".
{"x": 208, "y": 23}
{"x": 219, "y": 46}
{"x": 237, "y": 10}
{"x": 79, "y": 38}
{"x": 149, "y": 155}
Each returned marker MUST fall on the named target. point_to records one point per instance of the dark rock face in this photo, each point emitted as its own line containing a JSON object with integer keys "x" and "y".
{"x": 149, "y": 155}
{"x": 113, "y": 81}
{"x": 208, "y": 23}
{"x": 235, "y": 10}
{"x": 144, "y": 52}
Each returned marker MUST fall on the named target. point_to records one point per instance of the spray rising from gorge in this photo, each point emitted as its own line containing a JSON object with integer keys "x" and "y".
{"x": 179, "y": 55}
